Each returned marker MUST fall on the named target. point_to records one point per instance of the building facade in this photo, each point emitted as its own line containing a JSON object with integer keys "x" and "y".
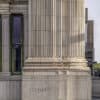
{"x": 42, "y": 50}
{"x": 13, "y": 40}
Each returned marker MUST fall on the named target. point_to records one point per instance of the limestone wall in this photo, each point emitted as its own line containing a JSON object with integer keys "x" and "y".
{"x": 10, "y": 88}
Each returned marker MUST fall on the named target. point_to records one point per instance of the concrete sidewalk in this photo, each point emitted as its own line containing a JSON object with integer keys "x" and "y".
{"x": 96, "y": 88}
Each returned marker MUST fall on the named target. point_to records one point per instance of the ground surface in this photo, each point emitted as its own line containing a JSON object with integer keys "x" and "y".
{"x": 96, "y": 88}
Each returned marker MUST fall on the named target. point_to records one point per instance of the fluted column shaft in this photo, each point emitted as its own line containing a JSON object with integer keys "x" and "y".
{"x": 56, "y": 29}
{"x": 41, "y": 28}
{"x": 73, "y": 17}
{"x": 45, "y": 28}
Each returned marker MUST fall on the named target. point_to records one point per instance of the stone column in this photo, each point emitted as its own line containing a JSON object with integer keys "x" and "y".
{"x": 5, "y": 43}
{"x": 25, "y": 36}
{"x": 42, "y": 29}
{"x": 73, "y": 24}
{"x": 56, "y": 29}
{"x": 45, "y": 29}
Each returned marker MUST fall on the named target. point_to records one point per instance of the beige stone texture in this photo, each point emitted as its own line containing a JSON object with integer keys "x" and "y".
{"x": 56, "y": 68}
{"x": 10, "y": 87}
{"x": 56, "y": 85}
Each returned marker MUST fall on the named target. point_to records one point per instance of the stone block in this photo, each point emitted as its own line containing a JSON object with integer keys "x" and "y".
{"x": 69, "y": 85}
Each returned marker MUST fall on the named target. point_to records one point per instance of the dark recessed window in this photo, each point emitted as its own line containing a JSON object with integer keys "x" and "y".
{"x": 16, "y": 38}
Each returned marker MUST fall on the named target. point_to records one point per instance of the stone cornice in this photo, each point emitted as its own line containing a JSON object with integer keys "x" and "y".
{"x": 4, "y": 8}
{"x": 19, "y": 9}
{"x": 7, "y": 9}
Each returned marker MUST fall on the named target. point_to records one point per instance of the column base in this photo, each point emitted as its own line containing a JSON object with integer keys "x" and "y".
{"x": 56, "y": 83}
{"x": 5, "y": 74}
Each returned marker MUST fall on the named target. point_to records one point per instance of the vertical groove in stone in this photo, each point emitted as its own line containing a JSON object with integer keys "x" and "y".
{"x": 54, "y": 28}
{"x": 58, "y": 28}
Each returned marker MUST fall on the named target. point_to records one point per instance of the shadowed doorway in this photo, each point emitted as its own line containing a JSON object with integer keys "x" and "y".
{"x": 16, "y": 42}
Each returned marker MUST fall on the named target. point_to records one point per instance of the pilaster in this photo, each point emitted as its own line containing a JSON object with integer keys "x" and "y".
{"x": 4, "y": 11}
{"x": 5, "y": 43}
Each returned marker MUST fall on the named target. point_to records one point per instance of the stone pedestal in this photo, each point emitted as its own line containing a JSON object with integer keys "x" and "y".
{"x": 56, "y": 81}
{"x": 5, "y": 43}
{"x": 55, "y": 68}
{"x": 72, "y": 85}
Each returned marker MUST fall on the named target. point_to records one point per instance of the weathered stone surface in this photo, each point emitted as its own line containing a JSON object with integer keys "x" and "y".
{"x": 55, "y": 68}
{"x": 10, "y": 87}
{"x": 56, "y": 85}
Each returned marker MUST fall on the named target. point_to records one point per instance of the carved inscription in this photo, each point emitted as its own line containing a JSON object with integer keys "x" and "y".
{"x": 39, "y": 90}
